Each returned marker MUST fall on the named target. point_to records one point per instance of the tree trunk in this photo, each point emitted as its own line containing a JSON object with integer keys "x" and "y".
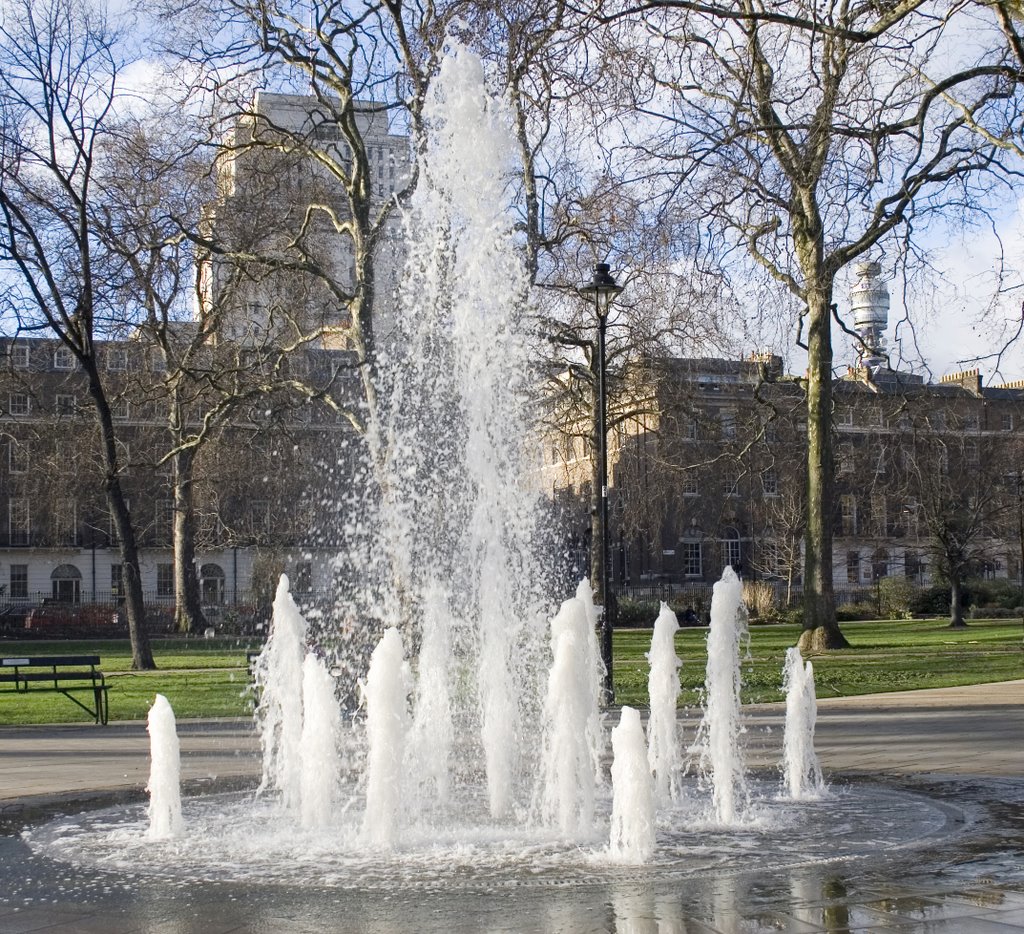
{"x": 134, "y": 602}
{"x": 188, "y": 612}
{"x": 956, "y": 610}
{"x": 820, "y": 630}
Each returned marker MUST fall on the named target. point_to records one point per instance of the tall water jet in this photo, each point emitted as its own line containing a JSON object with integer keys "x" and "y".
{"x": 801, "y": 769}
{"x": 663, "y": 750}
{"x": 458, "y": 510}
{"x": 278, "y": 681}
{"x": 387, "y": 724}
{"x": 164, "y": 786}
{"x": 432, "y": 735}
{"x": 632, "y": 826}
{"x": 321, "y": 735}
{"x": 721, "y": 756}
{"x": 571, "y": 756}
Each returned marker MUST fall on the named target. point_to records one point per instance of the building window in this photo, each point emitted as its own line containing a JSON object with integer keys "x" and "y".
{"x": 65, "y": 405}
{"x": 66, "y": 583}
{"x": 63, "y": 359}
{"x": 19, "y": 404}
{"x": 848, "y": 511}
{"x": 844, "y": 416}
{"x": 875, "y": 416}
{"x": 913, "y": 566}
{"x": 692, "y": 563}
{"x": 971, "y": 453}
{"x": 880, "y": 564}
{"x": 19, "y": 581}
{"x": 260, "y": 517}
{"x": 157, "y": 363}
{"x": 938, "y": 420}
{"x": 65, "y": 522}
{"x": 770, "y": 483}
{"x": 731, "y": 550}
{"x": 19, "y": 521}
{"x": 17, "y": 457}
{"x": 20, "y": 353}
{"x": 731, "y": 481}
{"x": 164, "y": 520}
{"x": 211, "y": 583}
{"x": 117, "y": 359}
{"x": 690, "y": 429}
{"x": 879, "y": 514}
{"x": 120, "y": 409}
{"x": 853, "y": 567}
{"x": 727, "y": 418}
{"x": 165, "y": 580}
{"x": 117, "y": 580}
{"x": 690, "y": 485}
{"x": 1006, "y": 421}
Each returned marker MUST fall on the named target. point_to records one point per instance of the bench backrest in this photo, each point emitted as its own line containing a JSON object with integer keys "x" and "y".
{"x": 48, "y": 661}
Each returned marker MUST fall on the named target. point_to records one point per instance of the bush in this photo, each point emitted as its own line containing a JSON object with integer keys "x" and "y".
{"x": 994, "y": 612}
{"x": 896, "y": 597}
{"x": 759, "y": 597}
{"x": 930, "y": 601}
{"x": 992, "y": 593}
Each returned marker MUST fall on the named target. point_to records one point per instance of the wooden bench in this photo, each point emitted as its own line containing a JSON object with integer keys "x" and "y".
{"x": 69, "y": 675}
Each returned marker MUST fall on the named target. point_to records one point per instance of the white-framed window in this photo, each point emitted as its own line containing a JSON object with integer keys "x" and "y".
{"x": 770, "y": 482}
{"x": 165, "y": 580}
{"x": 157, "y": 363}
{"x": 731, "y": 481}
{"x": 117, "y": 580}
{"x": 731, "y": 551}
{"x": 18, "y": 457}
{"x": 875, "y": 419}
{"x": 117, "y": 358}
{"x": 21, "y": 354}
{"x": 120, "y": 409}
{"x": 879, "y": 514}
{"x": 164, "y": 519}
{"x": 260, "y": 517}
{"x": 63, "y": 359}
{"x": 727, "y": 419}
{"x": 971, "y": 457}
{"x": 848, "y": 513}
{"x": 844, "y": 415}
{"x": 65, "y": 404}
{"x": 691, "y": 486}
{"x": 844, "y": 459}
{"x": 692, "y": 563}
{"x": 19, "y": 404}
{"x": 65, "y": 522}
{"x": 19, "y": 582}
{"x": 1006, "y": 421}
{"x": 853, "y": 567}
{"x": 19, "y": 520}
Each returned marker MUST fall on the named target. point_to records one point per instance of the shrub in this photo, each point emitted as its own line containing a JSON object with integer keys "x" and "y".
{"x": 854, "y": 611}
{"x": 895, "y": 597}
{"x": 760, "y": 600}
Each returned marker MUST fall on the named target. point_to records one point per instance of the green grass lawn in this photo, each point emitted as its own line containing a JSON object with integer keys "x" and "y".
{"x": 209, "y": 677}
{"x": 200, "y": 678}
{"x": 886, "y": 655}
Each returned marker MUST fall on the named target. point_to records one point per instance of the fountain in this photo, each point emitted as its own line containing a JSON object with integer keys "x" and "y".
{"x": 801, "y": 770}
{"x": 478, "y": 761}
{"x": 165, "y": 773}
{"x": 718, "y": 741}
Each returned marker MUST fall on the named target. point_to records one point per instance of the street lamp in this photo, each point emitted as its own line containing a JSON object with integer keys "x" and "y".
{"x": 602, "y": 289}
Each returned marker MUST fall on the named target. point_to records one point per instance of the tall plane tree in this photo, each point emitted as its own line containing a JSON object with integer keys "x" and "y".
{"x": 60, "y": 63}
{"x": 805, "y": 138}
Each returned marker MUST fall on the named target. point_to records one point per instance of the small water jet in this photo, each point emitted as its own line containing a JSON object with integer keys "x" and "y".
{"x": 321, "y": 763}
{"x": 663, "y": 750}
{"x": 387, "y": 726}
{"x": 164, "y": 786}
{"x": 632, "y": 822}
{"x": 571, "y": 758}
{"x": 719, "y": 737}
{"x": 801, "y": 769}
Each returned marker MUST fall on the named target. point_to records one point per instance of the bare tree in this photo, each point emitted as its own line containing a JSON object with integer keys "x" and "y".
{"x": 60, "y": 63}
{"x": 803, "y": 138}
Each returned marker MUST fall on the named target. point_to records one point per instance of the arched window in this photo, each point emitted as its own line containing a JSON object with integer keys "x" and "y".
{"x": 211, "y": 580}
{"x": 66, "y": 581}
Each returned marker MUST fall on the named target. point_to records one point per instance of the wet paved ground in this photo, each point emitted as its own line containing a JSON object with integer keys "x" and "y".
{"x": 962, "y": 748}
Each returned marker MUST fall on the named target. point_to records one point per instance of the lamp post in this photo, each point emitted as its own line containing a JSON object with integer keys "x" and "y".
{"x": 602, "y": 289}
